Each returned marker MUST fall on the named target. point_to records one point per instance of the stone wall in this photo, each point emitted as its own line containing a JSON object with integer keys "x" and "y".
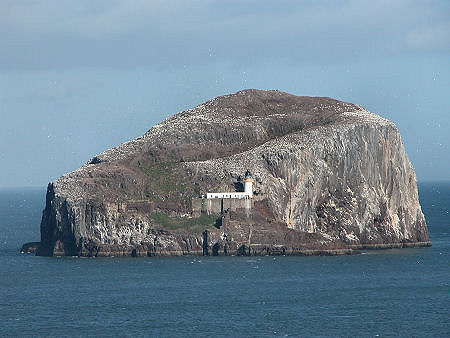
{"x": 219, "y": 205}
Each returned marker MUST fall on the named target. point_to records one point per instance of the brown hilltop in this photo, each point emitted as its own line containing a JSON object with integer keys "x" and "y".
{"x": 229, "y": 124}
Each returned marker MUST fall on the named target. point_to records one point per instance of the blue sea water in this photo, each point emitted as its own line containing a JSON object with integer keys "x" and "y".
{"x": 402, "y": 292}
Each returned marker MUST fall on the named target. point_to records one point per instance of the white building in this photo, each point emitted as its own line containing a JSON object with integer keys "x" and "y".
{"x": 248, "y": 190}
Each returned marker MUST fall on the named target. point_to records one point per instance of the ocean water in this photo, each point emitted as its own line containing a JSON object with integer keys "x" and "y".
{"x": 399, "y": 292}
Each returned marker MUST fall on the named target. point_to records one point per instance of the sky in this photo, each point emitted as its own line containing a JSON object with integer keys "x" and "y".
{"x": 79, "y": 77}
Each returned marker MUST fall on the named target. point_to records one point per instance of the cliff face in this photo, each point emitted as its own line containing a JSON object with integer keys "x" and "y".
{"x": 329, "y": 177}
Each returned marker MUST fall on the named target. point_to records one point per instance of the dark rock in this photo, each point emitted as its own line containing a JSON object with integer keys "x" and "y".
{"x": 30, "y": 247}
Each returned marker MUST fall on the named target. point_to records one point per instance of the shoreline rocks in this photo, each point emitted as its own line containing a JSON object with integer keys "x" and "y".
{"x": 30, "y": 247}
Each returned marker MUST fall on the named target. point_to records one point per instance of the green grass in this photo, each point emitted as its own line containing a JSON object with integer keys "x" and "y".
{"x": 164, "y": 180}
{"x": 192, "y": 225}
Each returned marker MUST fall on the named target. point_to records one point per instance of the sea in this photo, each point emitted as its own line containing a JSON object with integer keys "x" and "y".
{"x": 395, "y": 292}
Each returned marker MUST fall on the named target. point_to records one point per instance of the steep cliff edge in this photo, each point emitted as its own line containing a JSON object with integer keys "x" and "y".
{"x": 329, "y": 177}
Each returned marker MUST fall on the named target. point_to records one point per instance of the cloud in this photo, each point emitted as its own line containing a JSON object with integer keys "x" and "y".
{"x": 52, "y": 33}
{"x": 436, "y": 36}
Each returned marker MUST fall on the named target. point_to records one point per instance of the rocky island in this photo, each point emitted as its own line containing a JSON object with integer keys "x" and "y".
{"x": 251, "y": 173}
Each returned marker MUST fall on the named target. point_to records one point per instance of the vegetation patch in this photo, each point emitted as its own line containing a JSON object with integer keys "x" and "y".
{"x": 164, "y": 181}
{"x": 192, "y": 225}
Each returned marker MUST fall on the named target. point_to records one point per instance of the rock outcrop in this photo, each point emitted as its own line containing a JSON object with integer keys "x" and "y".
{"x": 30, "y": 247}
{"x": 330, "y": 177}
